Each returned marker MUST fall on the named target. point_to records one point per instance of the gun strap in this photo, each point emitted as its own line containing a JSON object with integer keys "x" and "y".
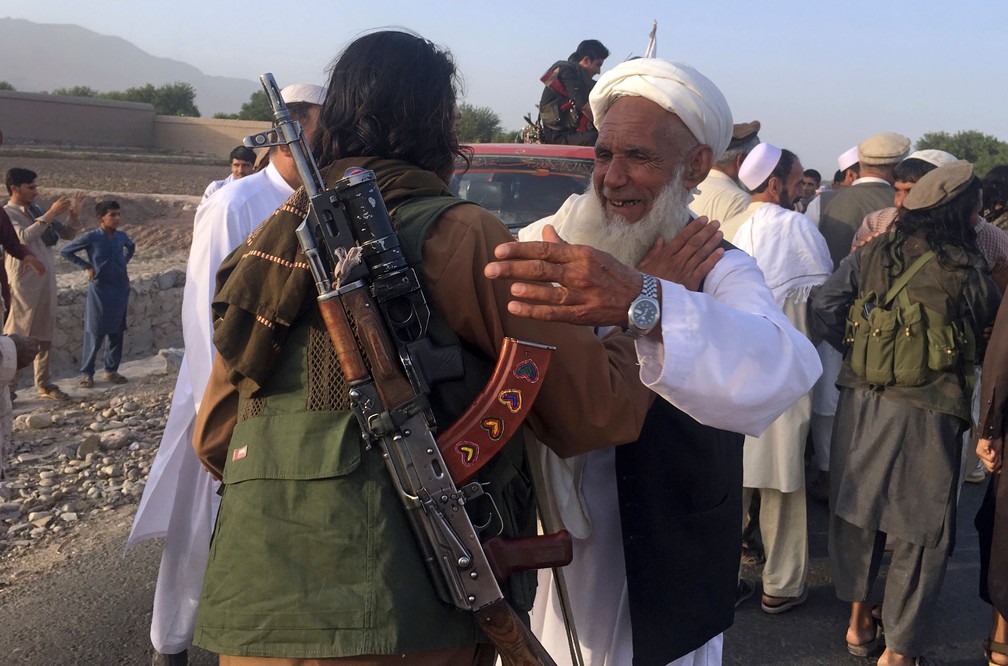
{"x": 549, "y": 516}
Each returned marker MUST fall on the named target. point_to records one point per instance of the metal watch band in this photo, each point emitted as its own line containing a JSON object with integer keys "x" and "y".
{"x": 650, "y": 286}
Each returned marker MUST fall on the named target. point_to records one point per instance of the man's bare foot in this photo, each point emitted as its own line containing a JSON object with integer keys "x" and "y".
{"x": 863, "y": 634}
{"x": 890, "y": 658}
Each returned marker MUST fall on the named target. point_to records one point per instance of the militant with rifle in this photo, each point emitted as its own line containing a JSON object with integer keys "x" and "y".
{"x": 362, "y": 277}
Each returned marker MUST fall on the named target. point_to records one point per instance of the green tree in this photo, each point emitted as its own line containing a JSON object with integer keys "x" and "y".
{"x": 983, "y": 150}
{"x": 257, "y": 107}
{"x": 169, "y": 99}
{"x": 4, "y": 85}
{"x": 477, "y": 124}
{"x": 76, "y": 91}
{"x": 506, "y": 136}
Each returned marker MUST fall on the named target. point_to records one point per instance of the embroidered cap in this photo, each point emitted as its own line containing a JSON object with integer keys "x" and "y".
{"x": 847, "y": 159}
{"x": 303, "y": 92}
{"x": 933, "y": 156}
{"x": 758, "y": 165}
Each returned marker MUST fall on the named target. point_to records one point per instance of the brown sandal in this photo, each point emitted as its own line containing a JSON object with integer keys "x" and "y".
{"x": 865, "y": 649}
{"x": 992, "y": 647}
{"x": 53, "y": 393}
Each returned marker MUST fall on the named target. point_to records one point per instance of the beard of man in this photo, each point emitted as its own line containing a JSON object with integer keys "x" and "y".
{"x": 626, "y": 241}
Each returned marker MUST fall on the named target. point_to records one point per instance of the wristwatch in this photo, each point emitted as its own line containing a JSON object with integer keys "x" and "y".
{"x": 645, "y": 311}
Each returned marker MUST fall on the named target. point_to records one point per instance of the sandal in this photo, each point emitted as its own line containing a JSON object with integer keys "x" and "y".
{"x": 53, "y": 393}
{"x": 115, "y": 378}
{"x": 86, "y": 381}
{"x": 865, "y": 649}
{"x": 992, "y": 647}
{"x": 785, "y": 603}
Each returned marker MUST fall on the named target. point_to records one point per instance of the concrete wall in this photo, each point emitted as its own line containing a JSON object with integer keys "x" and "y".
{"x": 34, "y": 119}
{"x": 202, "y": 136}
{"x": 152, "y": 321}
{"x": 31, "y": 118}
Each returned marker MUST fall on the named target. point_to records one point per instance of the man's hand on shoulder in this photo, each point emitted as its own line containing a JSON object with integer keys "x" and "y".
{"x": 688, "y": 257}
{"x": 557, "y": 281}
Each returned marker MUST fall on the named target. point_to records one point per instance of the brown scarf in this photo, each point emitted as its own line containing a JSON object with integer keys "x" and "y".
{"x": 265, "y": 284}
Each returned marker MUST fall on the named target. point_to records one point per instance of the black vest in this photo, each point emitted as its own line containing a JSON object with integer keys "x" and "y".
{"x": 680, "y": 497}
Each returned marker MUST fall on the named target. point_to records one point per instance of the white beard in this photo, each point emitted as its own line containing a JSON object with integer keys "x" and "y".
{"x": 630, "y": 242}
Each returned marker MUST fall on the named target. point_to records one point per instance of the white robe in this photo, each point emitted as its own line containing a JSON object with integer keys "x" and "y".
{"x": 180, "y": 499}
{"x": 793, "y": 257}
{"x": 8, "y": 366}
{"x": 728, "y": 358}
{"x": 719, "y": 197}
{"x": 216, "y": 185}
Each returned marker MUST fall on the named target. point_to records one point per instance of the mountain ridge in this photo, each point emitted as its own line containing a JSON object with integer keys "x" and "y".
{"x": 45, "y": 56}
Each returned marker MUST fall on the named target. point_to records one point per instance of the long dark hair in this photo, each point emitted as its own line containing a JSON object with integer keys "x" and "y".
{"x": 943, "y": 227}
{"x": 391, "y": 94}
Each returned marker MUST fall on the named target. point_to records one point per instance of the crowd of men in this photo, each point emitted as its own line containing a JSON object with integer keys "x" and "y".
{"x": 696, "y": 296}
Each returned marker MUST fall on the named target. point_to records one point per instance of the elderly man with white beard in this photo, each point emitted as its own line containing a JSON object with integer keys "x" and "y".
{"x": 657, "y": 523}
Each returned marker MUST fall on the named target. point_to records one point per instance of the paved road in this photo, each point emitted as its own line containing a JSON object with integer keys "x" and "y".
{"x": 814, "y": 633}
{"x": 93, "y": 608}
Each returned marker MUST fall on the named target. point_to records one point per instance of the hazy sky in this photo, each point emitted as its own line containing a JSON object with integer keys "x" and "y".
{"x": 819, "y": 76}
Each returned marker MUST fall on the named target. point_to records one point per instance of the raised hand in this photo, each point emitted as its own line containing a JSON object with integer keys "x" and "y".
{"x": 688, "y": 257}
{"x": 58, "y": 207}
{"x": 557, "y": 281}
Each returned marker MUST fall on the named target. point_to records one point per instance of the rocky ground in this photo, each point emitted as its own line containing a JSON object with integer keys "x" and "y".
{"x": 72, "y": 461}
{"x": 77, "y": 469}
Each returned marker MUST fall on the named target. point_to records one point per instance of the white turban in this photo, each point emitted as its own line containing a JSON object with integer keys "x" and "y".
{"x": 673, "y": 86}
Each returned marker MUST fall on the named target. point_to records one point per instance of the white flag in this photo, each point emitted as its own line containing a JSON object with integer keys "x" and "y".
{"x": 652, "y": 46}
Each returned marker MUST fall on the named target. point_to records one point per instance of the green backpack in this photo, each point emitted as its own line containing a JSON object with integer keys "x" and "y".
{"x": 905, "y": 344}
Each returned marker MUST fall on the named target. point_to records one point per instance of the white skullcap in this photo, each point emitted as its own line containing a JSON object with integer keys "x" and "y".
{"x": 847, "y": 159}
{"x": 303, "y": 92}
{"x": 933, "y": 156}
{"x": 758, "y": 165}
{"x": 673, "y": 86}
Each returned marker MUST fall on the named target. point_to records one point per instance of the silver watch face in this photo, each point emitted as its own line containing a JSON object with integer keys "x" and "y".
{"x": 644, "y": 313}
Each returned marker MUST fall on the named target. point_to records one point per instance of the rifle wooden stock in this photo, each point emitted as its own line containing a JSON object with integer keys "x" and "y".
{"x": 513, "y": 640}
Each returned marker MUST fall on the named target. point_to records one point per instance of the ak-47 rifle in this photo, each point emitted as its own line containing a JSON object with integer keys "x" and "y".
{"x": 382, "y": 296}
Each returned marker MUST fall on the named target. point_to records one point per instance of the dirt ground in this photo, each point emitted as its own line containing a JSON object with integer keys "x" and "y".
{"x": 74, "y": 598}
{"x": 158, "y": 195}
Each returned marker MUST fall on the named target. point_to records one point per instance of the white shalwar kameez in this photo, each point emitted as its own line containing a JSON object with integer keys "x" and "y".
{"x": 180, "y": 500}
{"x": 728, "y": 358}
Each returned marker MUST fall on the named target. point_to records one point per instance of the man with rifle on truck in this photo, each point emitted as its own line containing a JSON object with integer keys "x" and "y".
{"x": 321, "y": 408}
{"x": 563, "y": 108}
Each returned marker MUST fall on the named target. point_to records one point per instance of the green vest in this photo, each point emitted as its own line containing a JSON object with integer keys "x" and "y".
{"x": 312, "y": 555}
{"x": 938, "y": 290}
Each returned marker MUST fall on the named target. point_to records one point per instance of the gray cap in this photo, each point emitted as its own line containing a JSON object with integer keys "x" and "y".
{"x": 940, "y": 186}
{"x": 883, "y": 149}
